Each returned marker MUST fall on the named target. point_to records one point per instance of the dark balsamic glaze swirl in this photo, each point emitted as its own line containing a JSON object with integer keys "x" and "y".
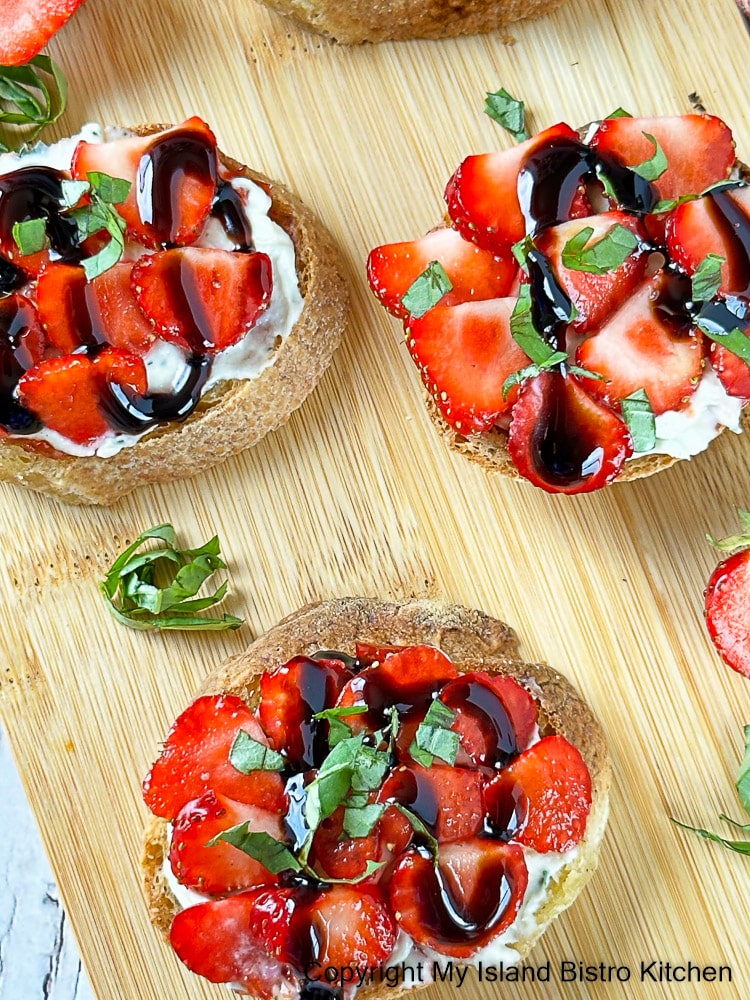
{"x": 227, "y": 207}
{"x": 131, "y": 413}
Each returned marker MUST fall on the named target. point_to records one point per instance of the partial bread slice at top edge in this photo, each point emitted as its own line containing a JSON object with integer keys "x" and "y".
{"x": 236, "y": 414}
{"x": 474, "y": 641}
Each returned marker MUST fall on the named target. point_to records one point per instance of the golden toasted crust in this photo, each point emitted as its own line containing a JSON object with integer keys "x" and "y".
{"x": 362, "y": 21}
{"x": 239, "y": 413}
{"x": 475, "y": 642}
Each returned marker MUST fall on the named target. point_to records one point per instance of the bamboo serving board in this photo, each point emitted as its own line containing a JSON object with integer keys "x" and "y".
{"x": 356, "y": 495}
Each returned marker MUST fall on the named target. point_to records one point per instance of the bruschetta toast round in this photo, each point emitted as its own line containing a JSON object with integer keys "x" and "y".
{"x": 581, "y": 314}
{"x": 172, "y": 307}
{"x": 372, "y": 786}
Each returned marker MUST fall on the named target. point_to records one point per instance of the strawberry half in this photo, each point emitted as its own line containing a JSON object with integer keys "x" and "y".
{"x": 595, "y": 296}
{"x": 543, "y": 798}
{"x": 482, "y": 195}
{"x": 562, "y": 439}
{"x": 464, "y": 354}
{"x": 645, "y": 346}
{"x": 220, "y": 868}
{"x": 195, "y": 758}
{"x": 458, "y": 906}
{"x": 182, "y": 158}
{"x": 713, "y": 225}
{"x": 699, "y": 149}
{"x": 220, "y": 940}
{"x": 202, "y": 299}
{"x": 726, "y": 602}
{"x": 27, "y": 25}
{"x": 70, "y": 395}
{"x": 290, "y": 697}
{"x": 75, "y": 312}
{"x": 348, "y": 926}
{"x": 474, "y": 273}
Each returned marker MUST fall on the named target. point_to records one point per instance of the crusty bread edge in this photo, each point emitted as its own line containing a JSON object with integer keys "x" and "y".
{"x": 474, "y": 641}
{"x": 398, "y": 20}
{"x": 239, "y": 413}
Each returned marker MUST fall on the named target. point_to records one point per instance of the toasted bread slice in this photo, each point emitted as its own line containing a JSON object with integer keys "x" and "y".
{"x": 233, "y": 415}
{"x": 385, "y": 20}
{"x": 474, "y": 641}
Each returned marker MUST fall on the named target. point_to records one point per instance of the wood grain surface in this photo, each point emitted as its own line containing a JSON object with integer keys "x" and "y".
{"x": 356, "y": 495}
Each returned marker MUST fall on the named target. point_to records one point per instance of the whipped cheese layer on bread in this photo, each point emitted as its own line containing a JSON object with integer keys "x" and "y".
{"x": 582, "y": 315}
{"x": 387, "y": 808}
{"x": 172, "y": 367}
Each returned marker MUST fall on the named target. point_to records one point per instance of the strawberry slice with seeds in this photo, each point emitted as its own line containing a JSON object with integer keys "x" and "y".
{"x": 474, "y": 273}
{"x": 448, "y": 800}
{"x": 203, "y": 299}
{"x": 220, "y": 868}
{"x": 221, "y": 941}
{"x": 75, "y": 312}
{"x": 336, "y": 855}
{"x": 699, "y": 149}
{"x": 27, "y": 25}
{"x": 543, "y": 798}
{"x": 410, "y": 675}
{"x": 172, "y": 177}
{"x": 645, "y": 346}
{"x": 726, "y": 600}
{"x": 731, "y": 370}
{"x": 482, "y": 195}
{"x": 458, "y": 906}
{"x": 564, "y": 440}
{"x": 70, "y": 394}
{"x": 195, "y": 758}
{"x": 596, "y": 295}
{"x": 713, "y": 225}
{"x": 290, "y": 697}
{"x": 464, "y": 354}
{"x": 348, "y": 927}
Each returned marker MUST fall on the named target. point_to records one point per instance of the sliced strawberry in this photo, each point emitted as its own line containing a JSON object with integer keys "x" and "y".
{"x": 336, "y": 855}
{"x": 486, "y": 716}
{"x": 543, "y": 798}
{"x": 348, "y": 927}
{"x": 172, "y": 176}
{"x": 732, "y": 371}
{"x": 70, "y": 394}
{"x": 472, "y": 895}
{"x": 27, "y": 25}
{"x": 464, "y": 354}
{"x": 221, "y": 868}
{"x": 474, "y": 273}
{"x": 714, "y": 224}
{"x": 195, "y": 758}
{"x": 291, "y": 696}
{"x": 645, "y": 346}
{"x": 595, "y": 296}
{"x": 61, "y": 304}
{"x": 115, "y": 312}
{"x": 728, "y": 610}
{"x": 699, "y": 149}
{"x": 22, "y": 346}
{"x": 219, "y": 941}
{"x": 448, "y": 800}
{"x": 482, "y": 195}
{"x": 368, "y": 653}
{"x": 203, "y": 299}
{"x": 564, "y": 440}
{"x": 410, "y": 675}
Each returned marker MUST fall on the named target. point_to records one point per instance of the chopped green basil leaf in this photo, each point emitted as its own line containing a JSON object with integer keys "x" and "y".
{"x": 736, "y": 341}
{"x": 740, "y": 846}
{"x": 421, "y": 830}
{"x": 602, "y": 256}
{"x": 639, "y": 416}
{"x": 337, "y": 729}
{"x": 524, "y": 332}
{"x": 619, "y": 113}
{"x": 333, "y": 782}
{"x": 248, "y": 755}
{"x": 520, "y": 251}
{"x": 30, "y": 236}
{"x": 655, "y": 165}
{"x": 157, "y": 588}
{"x": 72, "y": 192}
{"x": 743, "y": 778}
{"x": 369, "y": 768}
{"x": 112, "y": 190}
{"x": 32, "y": 96}
{"x": 98, "y": 214}
{"x": 271, "y": 853}
{"x": 508, "y": 112}
{"x": 361, "y": 821}
{"x": 434, "y": 736}
{"x": 707, "y": 278}
{"x": 427, "y": 290}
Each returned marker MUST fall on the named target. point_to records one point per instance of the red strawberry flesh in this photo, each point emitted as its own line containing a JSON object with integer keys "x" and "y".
{"x": 728, "y": 610}
{"x": 27, "y": 25}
